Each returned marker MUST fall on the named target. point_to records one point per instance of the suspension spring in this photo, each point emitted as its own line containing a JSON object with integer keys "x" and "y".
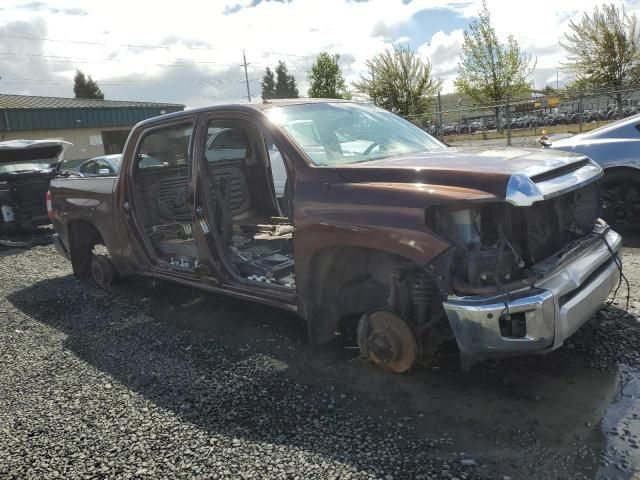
{"x": 421, "y": 295}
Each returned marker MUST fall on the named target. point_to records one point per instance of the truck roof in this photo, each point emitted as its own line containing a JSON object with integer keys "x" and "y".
{"x": 245, "y": 107}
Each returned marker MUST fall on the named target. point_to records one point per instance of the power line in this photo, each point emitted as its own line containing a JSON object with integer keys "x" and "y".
{"x": 129, "y": 45}
{"x": 286, "y": 54}
{"x": 62, "y": 59}
{"x": 82, "y": 42}
{"x": 83, "y": 60}
{"x": 125, "y": 82}
{"x": 107, "y": 83}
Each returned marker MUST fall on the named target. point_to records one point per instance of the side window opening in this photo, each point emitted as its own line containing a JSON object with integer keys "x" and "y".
{"x": 89, "y": 168}
{"x": 103, "y": 168}
{"x": 167, "y": 147}
{"x": 226, "y": 144}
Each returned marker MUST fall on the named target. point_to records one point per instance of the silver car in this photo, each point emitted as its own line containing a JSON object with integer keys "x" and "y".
{"x": 616, "y": 147}
{"x": 109, "y": 165}
{"x": 104, "y": 165}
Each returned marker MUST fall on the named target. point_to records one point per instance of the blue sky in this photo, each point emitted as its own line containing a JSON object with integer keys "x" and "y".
{"x": 422, "y": 25}
{"x": 191, "y": 51}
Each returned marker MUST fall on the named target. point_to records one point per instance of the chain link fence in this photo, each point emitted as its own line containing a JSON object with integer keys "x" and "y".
{"x": 521, "y": 121}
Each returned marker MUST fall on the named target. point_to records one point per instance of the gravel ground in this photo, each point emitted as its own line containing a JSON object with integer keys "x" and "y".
{"x": 155, "y": 381}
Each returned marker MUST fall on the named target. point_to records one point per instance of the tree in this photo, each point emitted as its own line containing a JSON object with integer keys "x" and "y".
{"x": 268, "y": 85}
{"x": 86, "y": 87}
{"x": 604, "y": 51}
{"x": 285, "y": 84}
{"x": 325, "y": 78}
{"x": 400, "y": 81}
{"x": 491, "y": 72}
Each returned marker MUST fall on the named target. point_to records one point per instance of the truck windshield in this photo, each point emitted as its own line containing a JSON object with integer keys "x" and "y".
{"x": 343, "y": 133}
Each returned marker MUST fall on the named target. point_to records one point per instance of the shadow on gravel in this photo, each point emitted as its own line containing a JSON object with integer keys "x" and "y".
{"x": 16, "y": 242}
{"x": 631, "y": 239}
{"x": 245, "y": 370}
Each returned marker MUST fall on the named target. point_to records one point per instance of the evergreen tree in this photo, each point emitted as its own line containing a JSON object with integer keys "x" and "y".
{"x": 268, "y": 85}
{"x": 86, "y": 87}
{"x": 285, "y": 84}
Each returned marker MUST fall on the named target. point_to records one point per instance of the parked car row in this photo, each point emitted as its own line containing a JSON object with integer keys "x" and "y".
{"x": 529, "y": 121}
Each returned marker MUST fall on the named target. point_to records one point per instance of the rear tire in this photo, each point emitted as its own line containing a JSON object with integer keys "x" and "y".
{"x": 621, "y": 199}
{"x": 102, "y": 271}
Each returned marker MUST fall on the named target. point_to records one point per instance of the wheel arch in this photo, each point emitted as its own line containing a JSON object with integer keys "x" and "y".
{"x": 83, "y": 235}
{"x": 346, "y": 280}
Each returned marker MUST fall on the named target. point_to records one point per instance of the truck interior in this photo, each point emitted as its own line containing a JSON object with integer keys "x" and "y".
{"x": 251, "y": 232}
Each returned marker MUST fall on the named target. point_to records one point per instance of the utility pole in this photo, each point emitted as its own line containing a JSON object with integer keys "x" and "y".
{"x": 246, "y": 75}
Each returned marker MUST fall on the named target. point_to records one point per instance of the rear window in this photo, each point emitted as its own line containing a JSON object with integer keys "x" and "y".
{"x": 226, "y": 144}
{"x": 167, "y": 146}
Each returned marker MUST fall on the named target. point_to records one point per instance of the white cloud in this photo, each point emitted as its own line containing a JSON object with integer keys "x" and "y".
{"x": 443, "y": 52}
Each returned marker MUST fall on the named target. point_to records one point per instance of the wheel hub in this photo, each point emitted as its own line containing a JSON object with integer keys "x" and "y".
{"x": 387, "y": 340}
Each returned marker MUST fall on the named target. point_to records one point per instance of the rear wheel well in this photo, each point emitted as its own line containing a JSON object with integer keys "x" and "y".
{"x": 83, "y": 237}
{"x": 619, "y": 189}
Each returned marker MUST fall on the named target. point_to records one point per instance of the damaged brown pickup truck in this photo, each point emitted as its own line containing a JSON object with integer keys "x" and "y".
{"x": 499, "y": 249}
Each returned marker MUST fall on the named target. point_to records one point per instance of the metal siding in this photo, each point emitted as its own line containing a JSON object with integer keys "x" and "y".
{"x": 79, "y": 137}
{"x": 65, "y": 118}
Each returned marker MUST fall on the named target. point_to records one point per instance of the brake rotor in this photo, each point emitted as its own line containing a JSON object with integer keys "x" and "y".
{"x": 387, "y": 340}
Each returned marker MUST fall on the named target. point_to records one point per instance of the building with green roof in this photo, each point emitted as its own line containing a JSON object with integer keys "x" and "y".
{"x": 94, "y": 127}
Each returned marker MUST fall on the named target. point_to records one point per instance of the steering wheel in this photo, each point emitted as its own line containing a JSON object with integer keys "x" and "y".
{"x": 367, "y": 151}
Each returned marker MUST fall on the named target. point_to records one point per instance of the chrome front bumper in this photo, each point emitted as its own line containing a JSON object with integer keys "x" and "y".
{"x": 550, "y": 311}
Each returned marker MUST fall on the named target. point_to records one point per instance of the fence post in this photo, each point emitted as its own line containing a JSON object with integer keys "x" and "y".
{"x": 440, "y": 117}
{"x": 580, "y": 109}
{"x": 508, "y": 122}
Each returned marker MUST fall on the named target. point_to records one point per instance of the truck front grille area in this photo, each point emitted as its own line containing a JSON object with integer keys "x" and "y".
{"x": 497, "y": 244}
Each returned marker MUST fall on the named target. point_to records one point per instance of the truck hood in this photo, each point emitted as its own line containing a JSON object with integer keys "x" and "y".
{"x": 32, "y": 152}
{"x": 519, "y": 176}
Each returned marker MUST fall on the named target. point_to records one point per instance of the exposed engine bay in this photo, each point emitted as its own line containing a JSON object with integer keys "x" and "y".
{"x": 498, "y": 244}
